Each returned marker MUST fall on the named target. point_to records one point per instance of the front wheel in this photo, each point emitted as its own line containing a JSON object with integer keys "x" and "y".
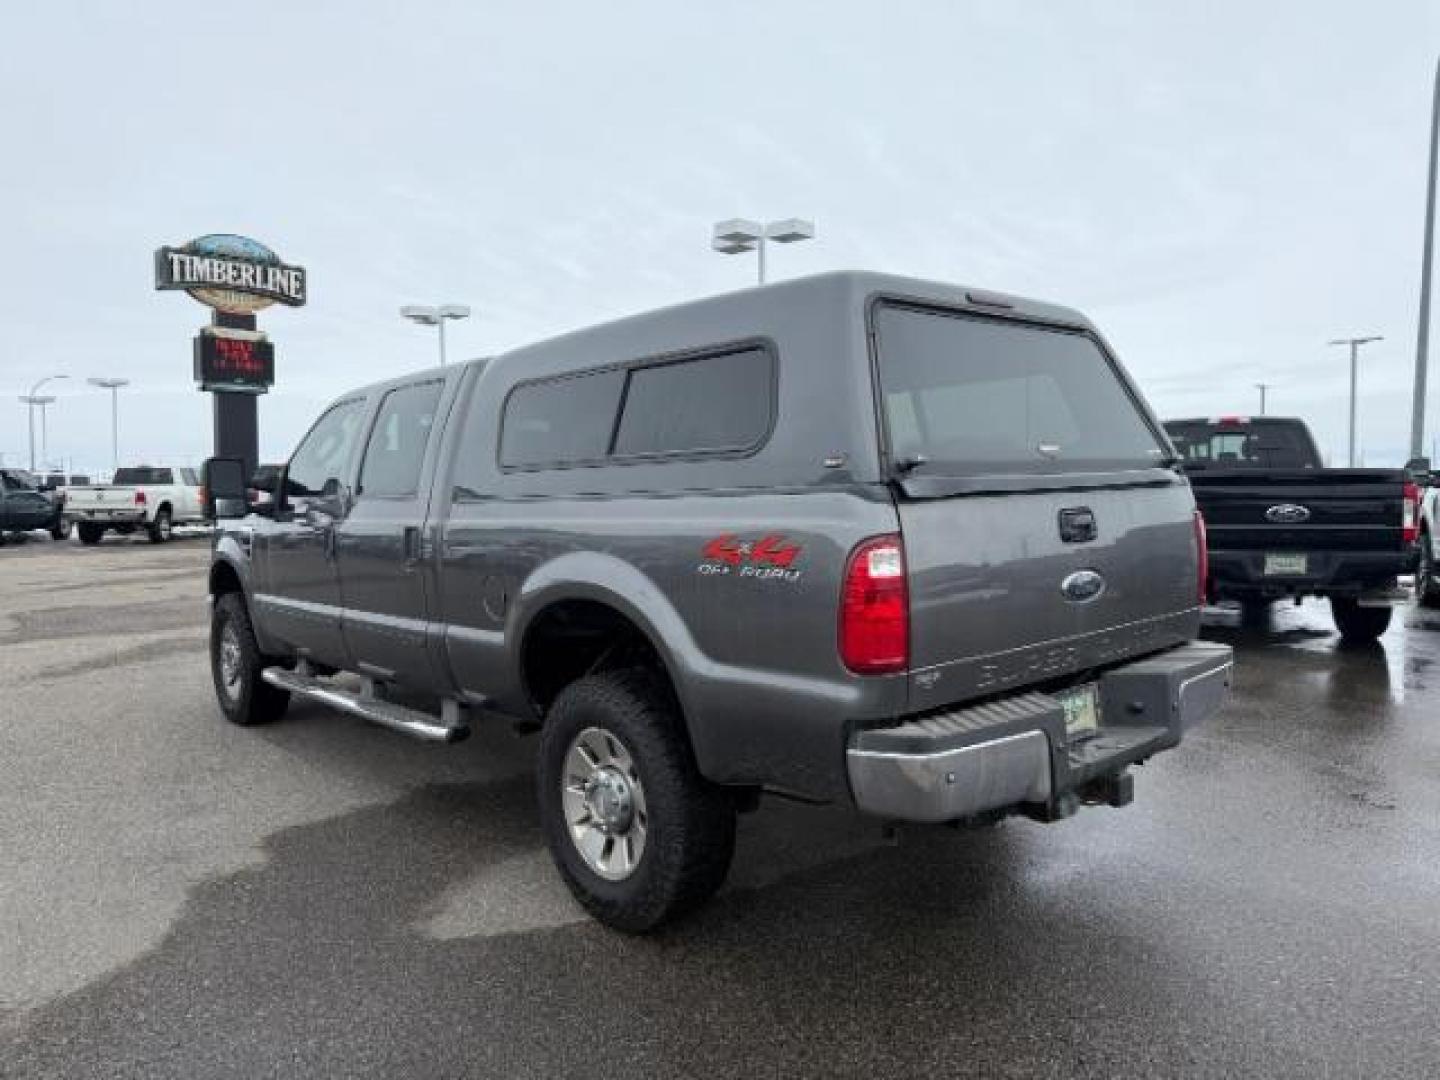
{"x": 159, "y": 529}
{"x": 236, "y": 664}
{"x": 1426, "y": 587}
{"x": 637, "y": 833}
{"x": 1359, "y": 625}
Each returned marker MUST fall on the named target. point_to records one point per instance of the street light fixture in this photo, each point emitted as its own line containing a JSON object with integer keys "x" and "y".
{"x": 741, "y": 235}
{"x": 113, "y": 385}
{"x": 31, "y": 400}
{"x": 1354, "y": 344}
{"x": 426, "y": 315}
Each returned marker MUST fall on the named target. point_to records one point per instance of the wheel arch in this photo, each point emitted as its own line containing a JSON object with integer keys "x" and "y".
{"x": 583, "y": 596}
{"x": 225, "y": 578}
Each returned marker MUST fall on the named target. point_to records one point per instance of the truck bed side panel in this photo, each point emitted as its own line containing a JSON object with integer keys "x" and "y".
{"x": 747, "y": 628}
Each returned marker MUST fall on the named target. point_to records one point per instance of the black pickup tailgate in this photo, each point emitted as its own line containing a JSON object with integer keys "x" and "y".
{"x": 1303, "y": 509}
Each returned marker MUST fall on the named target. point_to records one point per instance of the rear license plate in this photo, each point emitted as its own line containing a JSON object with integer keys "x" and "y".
{"x": 1082, "y": 708}
{"x": 1282, "y": 565}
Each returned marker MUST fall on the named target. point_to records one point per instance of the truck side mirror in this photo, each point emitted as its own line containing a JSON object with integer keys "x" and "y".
{"x": 222, "y": 488}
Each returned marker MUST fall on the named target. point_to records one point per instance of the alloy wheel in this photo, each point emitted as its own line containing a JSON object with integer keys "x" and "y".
{"x": 232, "y": 665}
{"x": 604, "y": 802}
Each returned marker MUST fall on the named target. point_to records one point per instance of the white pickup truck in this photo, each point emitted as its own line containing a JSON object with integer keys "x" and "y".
{"x": 149, "y": 497}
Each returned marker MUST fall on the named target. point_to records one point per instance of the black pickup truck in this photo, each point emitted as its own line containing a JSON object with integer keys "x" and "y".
{"x": 1282, "y": 526}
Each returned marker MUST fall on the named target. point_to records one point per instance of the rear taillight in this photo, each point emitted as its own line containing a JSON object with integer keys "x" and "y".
{"x": 139, "y": 498}
{"x": 875, "y": 609}
{"x": 1202, "y": 558}
{"x": 1410, "y": 515}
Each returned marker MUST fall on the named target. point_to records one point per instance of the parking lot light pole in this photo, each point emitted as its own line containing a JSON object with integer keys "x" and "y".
{"x": 1262, "y": 387}
{"x": 741, "y": 234}
{"x": 1427, "y": 259}
{"x": 426, "y": 315}
{"x": 113, "y": 385}
{"x": 31, "y": 400}
{"x": 1354, "y": 343}
{"x": 40, "y": 403}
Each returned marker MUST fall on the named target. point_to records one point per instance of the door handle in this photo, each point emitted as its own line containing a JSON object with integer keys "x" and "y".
{"x": 411, "y": 553}
{"x": 1077, "y": 525}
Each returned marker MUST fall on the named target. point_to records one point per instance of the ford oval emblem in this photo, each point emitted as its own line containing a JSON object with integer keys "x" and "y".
{"x": 1082, "y": 586}
{"x": 1287, "y": 514}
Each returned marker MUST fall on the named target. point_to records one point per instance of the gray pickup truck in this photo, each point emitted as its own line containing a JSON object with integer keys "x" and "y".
{"x": 852, "y": 538}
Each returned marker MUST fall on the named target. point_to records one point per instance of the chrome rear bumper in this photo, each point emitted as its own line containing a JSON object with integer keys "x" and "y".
{"x": 1015, "y": 751}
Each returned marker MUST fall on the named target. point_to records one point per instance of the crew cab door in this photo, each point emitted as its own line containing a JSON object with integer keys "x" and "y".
{"x": 383, "y": 546}
{"x": 298, "y": 594}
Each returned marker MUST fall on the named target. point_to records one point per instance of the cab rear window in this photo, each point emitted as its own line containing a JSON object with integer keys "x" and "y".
{"x": 1262, "y": 444}
{"x": 967, "y": 395}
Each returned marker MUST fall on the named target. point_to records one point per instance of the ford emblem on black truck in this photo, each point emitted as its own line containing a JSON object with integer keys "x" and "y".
{"x": 1287, "y": 514}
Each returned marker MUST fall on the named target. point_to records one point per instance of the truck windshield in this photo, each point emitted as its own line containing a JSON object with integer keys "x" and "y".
{"x": 144, "y": 474}
{"x": 1243, "y": 444}
{"x": 967, "y": 395}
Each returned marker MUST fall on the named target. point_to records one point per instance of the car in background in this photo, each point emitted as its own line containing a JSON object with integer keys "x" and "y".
{"x": 55, "y": 485}
{"x": 24, "y": 507}
{"x": 1427, "y": 570}
{"x": 1282, "y": 526}
{"x": 154, "y": 498}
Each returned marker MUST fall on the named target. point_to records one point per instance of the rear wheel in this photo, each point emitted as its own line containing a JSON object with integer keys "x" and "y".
{"x": 1426, "y": 587}
{"x": 236, "y": 664}
{"x": 89, "y": 534}
{"x": 637, "y": 833}
{"x": 1358, "y": 624}
{"x": 159, "y": 529}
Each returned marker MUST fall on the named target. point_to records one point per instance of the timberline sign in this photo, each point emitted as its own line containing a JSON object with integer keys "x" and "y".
{"x": 230, "y": 273}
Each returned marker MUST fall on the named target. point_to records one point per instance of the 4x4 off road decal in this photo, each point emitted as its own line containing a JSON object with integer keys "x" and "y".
{"x": 771, "y": 557}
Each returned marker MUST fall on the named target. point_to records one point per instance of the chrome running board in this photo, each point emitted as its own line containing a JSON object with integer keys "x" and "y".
{"x": 448, "y": 727}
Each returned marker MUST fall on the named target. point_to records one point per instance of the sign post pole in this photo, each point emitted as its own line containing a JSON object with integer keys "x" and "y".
{"x": 237, "y": 421}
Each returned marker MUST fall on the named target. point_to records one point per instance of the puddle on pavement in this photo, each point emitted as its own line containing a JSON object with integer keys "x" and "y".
{"x": 1398, "y": 664}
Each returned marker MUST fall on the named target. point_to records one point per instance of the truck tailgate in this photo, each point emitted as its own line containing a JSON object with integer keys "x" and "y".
{"x": 1302, "y": 509}
{"x": 998, "y": 599}
{"x": 99, "y": 497}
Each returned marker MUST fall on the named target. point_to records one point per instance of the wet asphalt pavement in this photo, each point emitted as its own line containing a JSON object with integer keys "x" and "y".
{"x": 180, "y": 898}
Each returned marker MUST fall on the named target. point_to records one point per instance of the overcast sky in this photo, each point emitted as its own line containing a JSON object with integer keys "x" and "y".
{"x": 1222, "y": 187}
